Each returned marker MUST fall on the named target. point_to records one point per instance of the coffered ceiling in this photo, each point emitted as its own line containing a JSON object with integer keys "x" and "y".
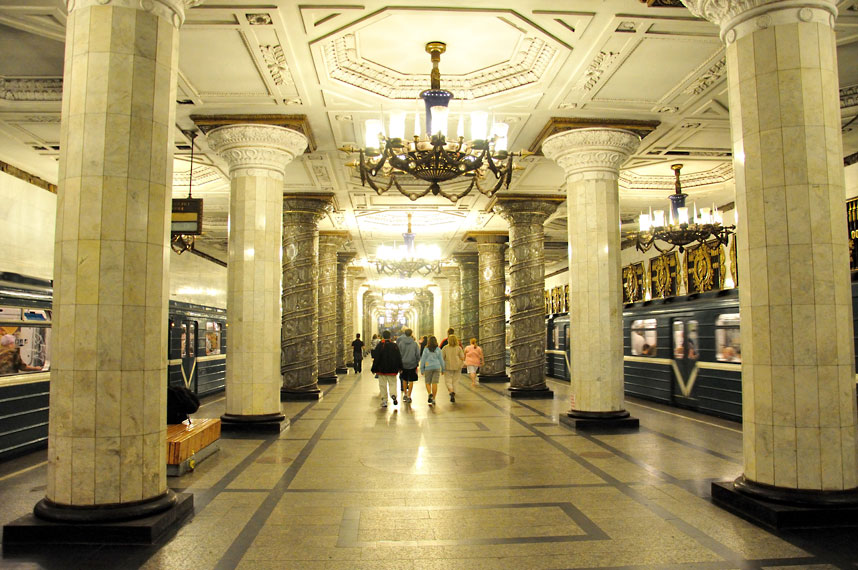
{"x": 339, "y": 64}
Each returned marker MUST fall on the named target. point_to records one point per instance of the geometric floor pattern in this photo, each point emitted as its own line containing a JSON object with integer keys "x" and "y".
{"x": 485, "y": 482}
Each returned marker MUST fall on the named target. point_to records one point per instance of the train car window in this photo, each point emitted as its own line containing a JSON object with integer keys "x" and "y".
{"x": 184, "y": 343}
{"x": 728, "y": 339}
{"x": 213, "y": 331}
{"x": 192, "y": 339}
{"x": 24, "y": 349}
{"x": 691, "y": 347}
{"x": 644, "y": 337}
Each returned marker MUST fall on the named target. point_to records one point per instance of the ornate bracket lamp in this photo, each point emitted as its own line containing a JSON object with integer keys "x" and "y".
{"x": 406, "y": 260}
{"x": 431, "y": 157}
{"x": 680, "y": 230}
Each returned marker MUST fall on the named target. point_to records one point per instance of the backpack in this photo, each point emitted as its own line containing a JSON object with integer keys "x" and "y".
{"x": 180, "y": 403}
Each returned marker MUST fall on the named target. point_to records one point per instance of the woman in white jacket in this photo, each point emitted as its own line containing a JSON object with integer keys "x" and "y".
{"x": 431, "y": 364}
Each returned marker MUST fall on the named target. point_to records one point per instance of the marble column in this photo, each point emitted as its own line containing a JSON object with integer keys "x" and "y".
{"x": 354, "y": 277}
{"x": 257, "y": 156}
{"x": 328, "y": 347}
{"x": 344, "y": 350}
{"x": 106, "y": 435}
{"x": 526, "y": 214}
{"x": 299, "y": 336}
{"x": 798, "y": 369}
{"x": 591, "y": 158}
{"x": 492, "y": 315}
{"x": 454, "y": 316}
{"x": 469, "y": 269}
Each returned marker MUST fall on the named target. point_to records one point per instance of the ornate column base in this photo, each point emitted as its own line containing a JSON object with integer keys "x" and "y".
{"x": 143, "y": 522}
{"x": 287, "y": 395}
{"x": 493, "y": 378}
{"x": 530, "y": 393}
{"x": 327, "y": 379}
{"x": 601, "y": 422}
{"x": 780, "y": 507}
{"x": 262, "y": 423}
{"x": 344, "y": 369}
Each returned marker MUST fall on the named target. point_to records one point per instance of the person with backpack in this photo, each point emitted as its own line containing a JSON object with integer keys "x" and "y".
{"x": 410, "y": 352}
{"x": 386, "y": 364}
{"x": 431, "y": 365}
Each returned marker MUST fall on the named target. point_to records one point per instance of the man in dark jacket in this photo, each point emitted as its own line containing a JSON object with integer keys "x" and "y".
{"x": 410, "y": 352}
{"x": 386, "y": 362}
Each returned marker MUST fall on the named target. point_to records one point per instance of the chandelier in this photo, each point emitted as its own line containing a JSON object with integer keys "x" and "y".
{"x": 680, "y": 229}
{"x": 408, "y": 259}
{"x": 430, "y": 156}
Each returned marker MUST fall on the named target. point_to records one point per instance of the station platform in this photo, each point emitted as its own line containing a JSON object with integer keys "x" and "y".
{"x": 485, "y": 482}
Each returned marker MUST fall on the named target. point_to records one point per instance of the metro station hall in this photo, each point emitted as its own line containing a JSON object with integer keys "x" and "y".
{"x": 537, "y": 284}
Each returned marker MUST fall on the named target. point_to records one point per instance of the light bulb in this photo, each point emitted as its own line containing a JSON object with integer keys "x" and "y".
{"x": 374, "y": 128}
{"x": 397, "y": 125}
{"x": 439, "y": 120}
{"x": 479, "y": 128}
{"x": 644, "y": 223}
{"x": 682, "y": 215}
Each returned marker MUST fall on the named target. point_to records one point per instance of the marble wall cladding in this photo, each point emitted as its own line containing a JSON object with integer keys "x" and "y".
{"x": 492, "y": 335}
{"x": 108, "y": 412}
{"x": 595, "y": 295}
{"x": 526, "y": 280}
{"x": 327, "y": 298}
{"x": 798, "y": 362}
{"x": 299, "y": 332}
{"x": 197, "y": 280}
{"x": 469, "y": 268}
{"x": 28, "y": 218}
{"x": 454, "y": 312}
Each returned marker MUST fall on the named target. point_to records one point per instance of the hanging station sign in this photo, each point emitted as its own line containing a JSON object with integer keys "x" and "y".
{"x": 187, "y": 216}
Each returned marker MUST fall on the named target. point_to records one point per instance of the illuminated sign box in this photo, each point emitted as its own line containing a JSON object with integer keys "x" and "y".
{"x": 187, "y": 218}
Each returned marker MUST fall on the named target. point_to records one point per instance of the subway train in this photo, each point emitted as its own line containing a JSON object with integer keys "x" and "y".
{"x": 680, "y": 351}
{"x": 196, "y": 352}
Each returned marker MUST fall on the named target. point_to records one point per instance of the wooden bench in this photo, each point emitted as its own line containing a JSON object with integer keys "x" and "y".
{"x": 187, "y": 445}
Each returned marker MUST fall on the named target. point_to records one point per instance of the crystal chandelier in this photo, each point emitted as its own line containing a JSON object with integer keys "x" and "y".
{"x": 680, "y": 229}
{"x": 430, "y": 156}
{"x": 408, "y": 259}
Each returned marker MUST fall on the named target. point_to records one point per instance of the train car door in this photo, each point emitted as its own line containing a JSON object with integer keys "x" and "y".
{"x": 189, "y": 354}
{"x": 685, "y": 353}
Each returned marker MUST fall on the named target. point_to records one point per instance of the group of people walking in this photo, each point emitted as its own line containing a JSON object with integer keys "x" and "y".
{"x": 405, "y": 356}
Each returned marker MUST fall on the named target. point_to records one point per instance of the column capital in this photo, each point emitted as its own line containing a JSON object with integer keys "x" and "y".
{"x": 332, "y": 238}
{"x": 488, "y": 237}
{"x": 171, "y": 10}
{"x": 593, "y": 152}
{"x": 345, "y": 257}
{"x": 466, "y": 257}
{"x": 525, "y": 208}
{"x": 250, "y": 147}
{"x": 309, "y": 204}
{"x": 355, "y": 272}
{"x": 737, "y": 18}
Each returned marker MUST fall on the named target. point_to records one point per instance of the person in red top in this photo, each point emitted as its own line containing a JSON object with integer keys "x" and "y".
{"x": 444, "y": 342}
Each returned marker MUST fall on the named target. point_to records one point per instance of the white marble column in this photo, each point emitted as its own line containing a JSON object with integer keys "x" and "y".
{"x": 299, "y": 335}
{"x": 106, "y": 442}
{"x": 329, "y": 243}
{"x": 257, "y": 156}
{"x": 798, "y": 376}
{"x": 492, "y": 315}
{"x": 526, "y": 214}
{"x": 592, "y": 158}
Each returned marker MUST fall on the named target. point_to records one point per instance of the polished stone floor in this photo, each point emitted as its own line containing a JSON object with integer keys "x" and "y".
{"x": 487, "y": 482}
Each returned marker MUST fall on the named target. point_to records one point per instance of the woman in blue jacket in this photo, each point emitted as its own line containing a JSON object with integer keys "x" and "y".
{"x": 431, "y": 365}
